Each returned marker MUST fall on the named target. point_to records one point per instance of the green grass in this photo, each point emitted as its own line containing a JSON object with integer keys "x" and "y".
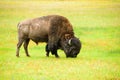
{"x": 95, "y": 22}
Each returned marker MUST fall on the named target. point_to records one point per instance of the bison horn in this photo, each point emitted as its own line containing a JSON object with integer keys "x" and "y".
{"x": 69, "y": 42}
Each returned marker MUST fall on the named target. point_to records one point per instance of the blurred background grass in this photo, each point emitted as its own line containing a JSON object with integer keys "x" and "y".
{"x": 96, "y": 23}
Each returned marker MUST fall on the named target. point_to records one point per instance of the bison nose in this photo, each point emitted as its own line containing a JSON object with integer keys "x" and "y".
{"x": 74, "y": 56}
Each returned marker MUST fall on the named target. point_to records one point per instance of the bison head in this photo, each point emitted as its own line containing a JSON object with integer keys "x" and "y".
{"x": 72, "y": 47}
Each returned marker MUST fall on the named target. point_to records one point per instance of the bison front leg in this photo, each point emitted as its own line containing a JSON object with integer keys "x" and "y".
{"x": 53, "y": 51}
{"x": 26, "y": 42}
{"x": 47, "y": 50}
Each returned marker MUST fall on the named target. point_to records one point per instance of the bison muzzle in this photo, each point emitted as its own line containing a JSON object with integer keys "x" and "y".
{"x": 55, "y": 30}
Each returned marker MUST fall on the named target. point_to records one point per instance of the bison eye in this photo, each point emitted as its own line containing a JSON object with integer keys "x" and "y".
{"x": 67, "y": 46}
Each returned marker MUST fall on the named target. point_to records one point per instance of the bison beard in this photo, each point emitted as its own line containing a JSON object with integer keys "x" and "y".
{"x": 55, "y": 30}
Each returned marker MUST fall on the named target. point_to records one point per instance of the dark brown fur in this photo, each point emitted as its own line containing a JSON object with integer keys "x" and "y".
{"x": 55, "y": 30}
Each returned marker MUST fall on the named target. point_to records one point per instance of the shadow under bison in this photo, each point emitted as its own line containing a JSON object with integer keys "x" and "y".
{"x": 55, "y": 30}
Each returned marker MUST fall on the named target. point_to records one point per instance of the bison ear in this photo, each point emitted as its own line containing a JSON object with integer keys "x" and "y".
{"x": 67, "y": 36}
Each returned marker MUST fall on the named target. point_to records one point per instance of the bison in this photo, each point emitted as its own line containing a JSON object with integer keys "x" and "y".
{"x": 55, "y": 30}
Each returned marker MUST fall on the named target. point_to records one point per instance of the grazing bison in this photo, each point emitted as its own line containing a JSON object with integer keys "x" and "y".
{"x": 55, "y": 30}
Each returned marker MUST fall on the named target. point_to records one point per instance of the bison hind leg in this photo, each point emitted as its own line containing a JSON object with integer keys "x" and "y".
{"x": 18, "y": 46}
{"x": 26, "y": 42}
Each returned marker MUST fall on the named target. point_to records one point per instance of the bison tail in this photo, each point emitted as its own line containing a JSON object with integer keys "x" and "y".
{"x": 18, "y": 24}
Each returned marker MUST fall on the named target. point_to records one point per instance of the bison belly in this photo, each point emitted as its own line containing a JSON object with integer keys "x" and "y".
{"x": 39, "y": 34}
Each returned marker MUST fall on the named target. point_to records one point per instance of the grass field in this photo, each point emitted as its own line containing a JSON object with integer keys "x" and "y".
{"x": 95, "y": 22}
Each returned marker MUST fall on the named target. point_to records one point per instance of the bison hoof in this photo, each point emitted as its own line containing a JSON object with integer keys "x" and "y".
{"x": 47, "y": 54}
{"x": 56, "y": 56}
{"x": 28, "y": 55}
{"x": 17, "y": 56}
